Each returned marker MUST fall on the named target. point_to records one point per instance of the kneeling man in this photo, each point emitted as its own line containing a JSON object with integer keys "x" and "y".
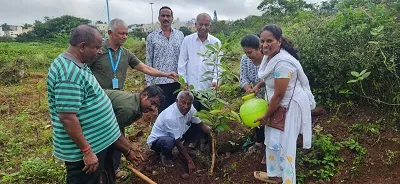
{"x": 175, "y": 125}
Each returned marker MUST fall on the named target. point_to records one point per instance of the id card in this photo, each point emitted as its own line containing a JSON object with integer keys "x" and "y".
{"x": 115, "y": 83}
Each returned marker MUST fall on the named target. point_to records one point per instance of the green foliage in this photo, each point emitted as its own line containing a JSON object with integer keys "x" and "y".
{"x": 321, "y": 160}
{"x": 138, "y": 33}
{"x": 359, "y": 150}
{"x": 367, "y": 129}
{"x": 6, "y": 39}
{"x": 359, "y": 76}
{"x": 222, "y": 27}
{"x": 283, "y": 7}
{"x": 186, "y": 31}
{"x": 38, "y": 170}
{"x": 5, "y": 27}
{"x": 218, "y": 119}
{"x": 136, "y": 46}
{"x": 231, "y": 91}
{"x": 14, "y": 72}
{"x": 333, "y": 46}
{"x": 40, "y": 55}
{"x": 51, "y": 29}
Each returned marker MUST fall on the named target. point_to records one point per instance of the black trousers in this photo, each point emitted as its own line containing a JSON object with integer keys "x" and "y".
{"x": 259, "y": 134}
{"x": 104, "y": 174}
{"x": 197, "y": 105}
{"x": 170, "y": 97}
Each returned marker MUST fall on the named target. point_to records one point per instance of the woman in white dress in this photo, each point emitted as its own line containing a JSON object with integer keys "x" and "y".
{"x": 285, "y": 82}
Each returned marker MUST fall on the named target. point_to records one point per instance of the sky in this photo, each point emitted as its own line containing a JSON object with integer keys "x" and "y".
{"x": 19, "y": 12}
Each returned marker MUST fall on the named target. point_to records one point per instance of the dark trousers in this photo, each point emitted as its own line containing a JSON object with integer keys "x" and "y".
{"x": 197, "y": 105}
{"x": 104, "y": 174}
{"x": 116, "y": 154}
{"x": 170, "y": 97}
{"x": 165, "y": 144}
{"x": 259, "y": 131}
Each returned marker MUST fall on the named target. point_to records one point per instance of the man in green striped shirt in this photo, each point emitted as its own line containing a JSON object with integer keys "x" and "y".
{"x": 85, "y": 129}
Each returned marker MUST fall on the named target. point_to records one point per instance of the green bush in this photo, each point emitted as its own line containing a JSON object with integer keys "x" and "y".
{"x": 331, "y": 47}
{"x": 137, "y": 47}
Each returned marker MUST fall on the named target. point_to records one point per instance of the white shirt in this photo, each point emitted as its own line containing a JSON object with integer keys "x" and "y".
{"x": 190, "y": 65}
{"x": 171, "y": 122}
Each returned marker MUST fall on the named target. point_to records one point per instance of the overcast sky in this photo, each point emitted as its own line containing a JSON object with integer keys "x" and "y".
{"x": 18, "y": 12}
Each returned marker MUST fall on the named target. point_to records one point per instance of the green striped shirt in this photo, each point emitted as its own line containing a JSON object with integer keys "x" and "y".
{"x": 72, "y": 87}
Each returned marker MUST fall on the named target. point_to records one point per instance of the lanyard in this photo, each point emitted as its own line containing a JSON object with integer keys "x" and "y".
{"x": 114, "y": 66}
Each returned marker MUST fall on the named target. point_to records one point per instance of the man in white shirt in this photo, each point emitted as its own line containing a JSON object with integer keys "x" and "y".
{"x": 174, "y": 125}
{"x": 190, "y": 64}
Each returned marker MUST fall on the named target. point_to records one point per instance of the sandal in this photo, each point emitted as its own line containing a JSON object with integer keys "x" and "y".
{"x": 263, "y": 177}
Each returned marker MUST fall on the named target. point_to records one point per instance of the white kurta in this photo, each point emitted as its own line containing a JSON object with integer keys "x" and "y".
{"x": 191, "y": 65}
{"x": 281, "y": 145}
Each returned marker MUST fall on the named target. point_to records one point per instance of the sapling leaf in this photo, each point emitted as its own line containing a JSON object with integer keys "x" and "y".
{"x": 220, "y": 128}
{"x": 177, "y": 91}
{"x": 365, "y": 75}
{"x": 206, "y": 79}
{"x": 201, "y": 54}
{"x": 362, "y": 72}
{"x": 226, "y": 127}
{"x": 217, "y": 111}
{"x": 211, "y": 48}
{"x": 191, "y": 87}
{"x": 236, "y": 116}
{"x": 207, "y": 122}
{"x": 355, "y": 74}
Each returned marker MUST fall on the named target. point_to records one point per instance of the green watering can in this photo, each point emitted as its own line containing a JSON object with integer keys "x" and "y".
{"x": 252, "y": 109}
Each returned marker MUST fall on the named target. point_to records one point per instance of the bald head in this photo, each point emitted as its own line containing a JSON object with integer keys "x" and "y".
{"x": 185, "y": 94}
{"x": 184, "y": 101}
{"x": 83, "y": 33}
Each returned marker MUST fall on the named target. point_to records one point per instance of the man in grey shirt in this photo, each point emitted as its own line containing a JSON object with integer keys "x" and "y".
{"x": 162, "y": 53}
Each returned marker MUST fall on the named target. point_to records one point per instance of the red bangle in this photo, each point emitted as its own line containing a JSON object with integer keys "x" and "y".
{"x": 86, "y": 149}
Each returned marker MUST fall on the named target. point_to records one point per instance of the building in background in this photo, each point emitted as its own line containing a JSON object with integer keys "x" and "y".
{"x": 14, "y": 31}
{"x": 190, "y": 24}
{"x": 1, "y": 31}
{"x": 103, "y": 28}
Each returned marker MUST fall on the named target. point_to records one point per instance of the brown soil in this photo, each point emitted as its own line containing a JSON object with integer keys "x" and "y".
{"x": 235, "y": 166}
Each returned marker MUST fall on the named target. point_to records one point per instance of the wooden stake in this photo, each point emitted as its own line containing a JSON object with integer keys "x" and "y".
{"x": 213, "y": 140}
{"x": 140, "y": 175}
